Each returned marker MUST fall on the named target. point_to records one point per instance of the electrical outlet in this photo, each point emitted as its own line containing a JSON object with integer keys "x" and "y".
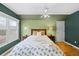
{"x": 75, "y": 42}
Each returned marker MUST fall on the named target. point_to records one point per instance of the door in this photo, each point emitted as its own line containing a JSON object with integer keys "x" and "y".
{"x": 60, "y": 31}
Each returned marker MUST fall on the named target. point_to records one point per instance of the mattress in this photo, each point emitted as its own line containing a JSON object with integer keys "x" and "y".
{"x": 36, "y": 46}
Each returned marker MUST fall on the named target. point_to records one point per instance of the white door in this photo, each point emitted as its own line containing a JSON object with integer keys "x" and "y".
{"x": 60, "y": 31}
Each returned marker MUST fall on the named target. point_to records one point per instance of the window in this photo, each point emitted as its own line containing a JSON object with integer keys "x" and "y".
{"x": 12, "y": 23}
{"x": 8, "y": 29}
{"x": 2, "y": 21}
{"x": 2, "y": 29}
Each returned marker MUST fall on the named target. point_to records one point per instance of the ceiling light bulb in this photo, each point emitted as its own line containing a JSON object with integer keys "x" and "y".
{"x": 45, "y": 16}
{"x": 45, "y": 10}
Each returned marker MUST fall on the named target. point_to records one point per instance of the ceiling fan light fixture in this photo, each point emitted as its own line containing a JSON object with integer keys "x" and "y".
{"x": 45, "y": 13}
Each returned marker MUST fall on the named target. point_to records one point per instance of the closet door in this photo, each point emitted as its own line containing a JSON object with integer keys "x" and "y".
{"x": 60, "y": 31}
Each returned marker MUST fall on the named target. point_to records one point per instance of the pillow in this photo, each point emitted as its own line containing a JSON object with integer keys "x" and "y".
{"x": 38, "y": 33}
{"x": 34, "y": 32}
{"x": 42, "y": 33}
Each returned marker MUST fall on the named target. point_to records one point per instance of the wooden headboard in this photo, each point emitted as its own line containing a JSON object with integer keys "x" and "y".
{"x": 38, "y": 30}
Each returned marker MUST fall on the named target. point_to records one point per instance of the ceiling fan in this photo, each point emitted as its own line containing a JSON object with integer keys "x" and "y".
{"x": 45, "y": 13}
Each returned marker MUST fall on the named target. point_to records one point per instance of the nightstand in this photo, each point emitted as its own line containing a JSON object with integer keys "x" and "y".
{"x": 52, "y": 38}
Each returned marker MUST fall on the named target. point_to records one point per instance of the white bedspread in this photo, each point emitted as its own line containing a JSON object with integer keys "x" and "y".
{"x": 36, "y": 46}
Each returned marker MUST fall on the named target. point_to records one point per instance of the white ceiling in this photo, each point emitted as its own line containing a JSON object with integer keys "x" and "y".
{"x": 35, "y": 8}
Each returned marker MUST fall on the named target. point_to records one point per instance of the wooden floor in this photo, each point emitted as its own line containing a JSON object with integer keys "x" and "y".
{"x": 67, "y": 49}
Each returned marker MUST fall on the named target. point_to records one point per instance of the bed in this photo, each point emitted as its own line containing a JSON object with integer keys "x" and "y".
{"x": 36, "y": 31}
{"x": 36, "y": 45}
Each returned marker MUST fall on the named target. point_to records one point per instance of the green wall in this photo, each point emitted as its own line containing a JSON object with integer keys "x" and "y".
{"x": 72, "y": 29}
{"x": 6, "y": 47}
{"x": 5, "y": 10}
{"x": 34, "y": 22}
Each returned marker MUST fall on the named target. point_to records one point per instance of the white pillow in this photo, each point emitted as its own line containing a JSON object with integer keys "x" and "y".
{"x": 38, "y": 33}
{"x": 35, "y": 33}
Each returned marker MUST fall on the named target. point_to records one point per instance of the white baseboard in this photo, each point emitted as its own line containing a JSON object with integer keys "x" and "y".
{"x": 72, "y": 45}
